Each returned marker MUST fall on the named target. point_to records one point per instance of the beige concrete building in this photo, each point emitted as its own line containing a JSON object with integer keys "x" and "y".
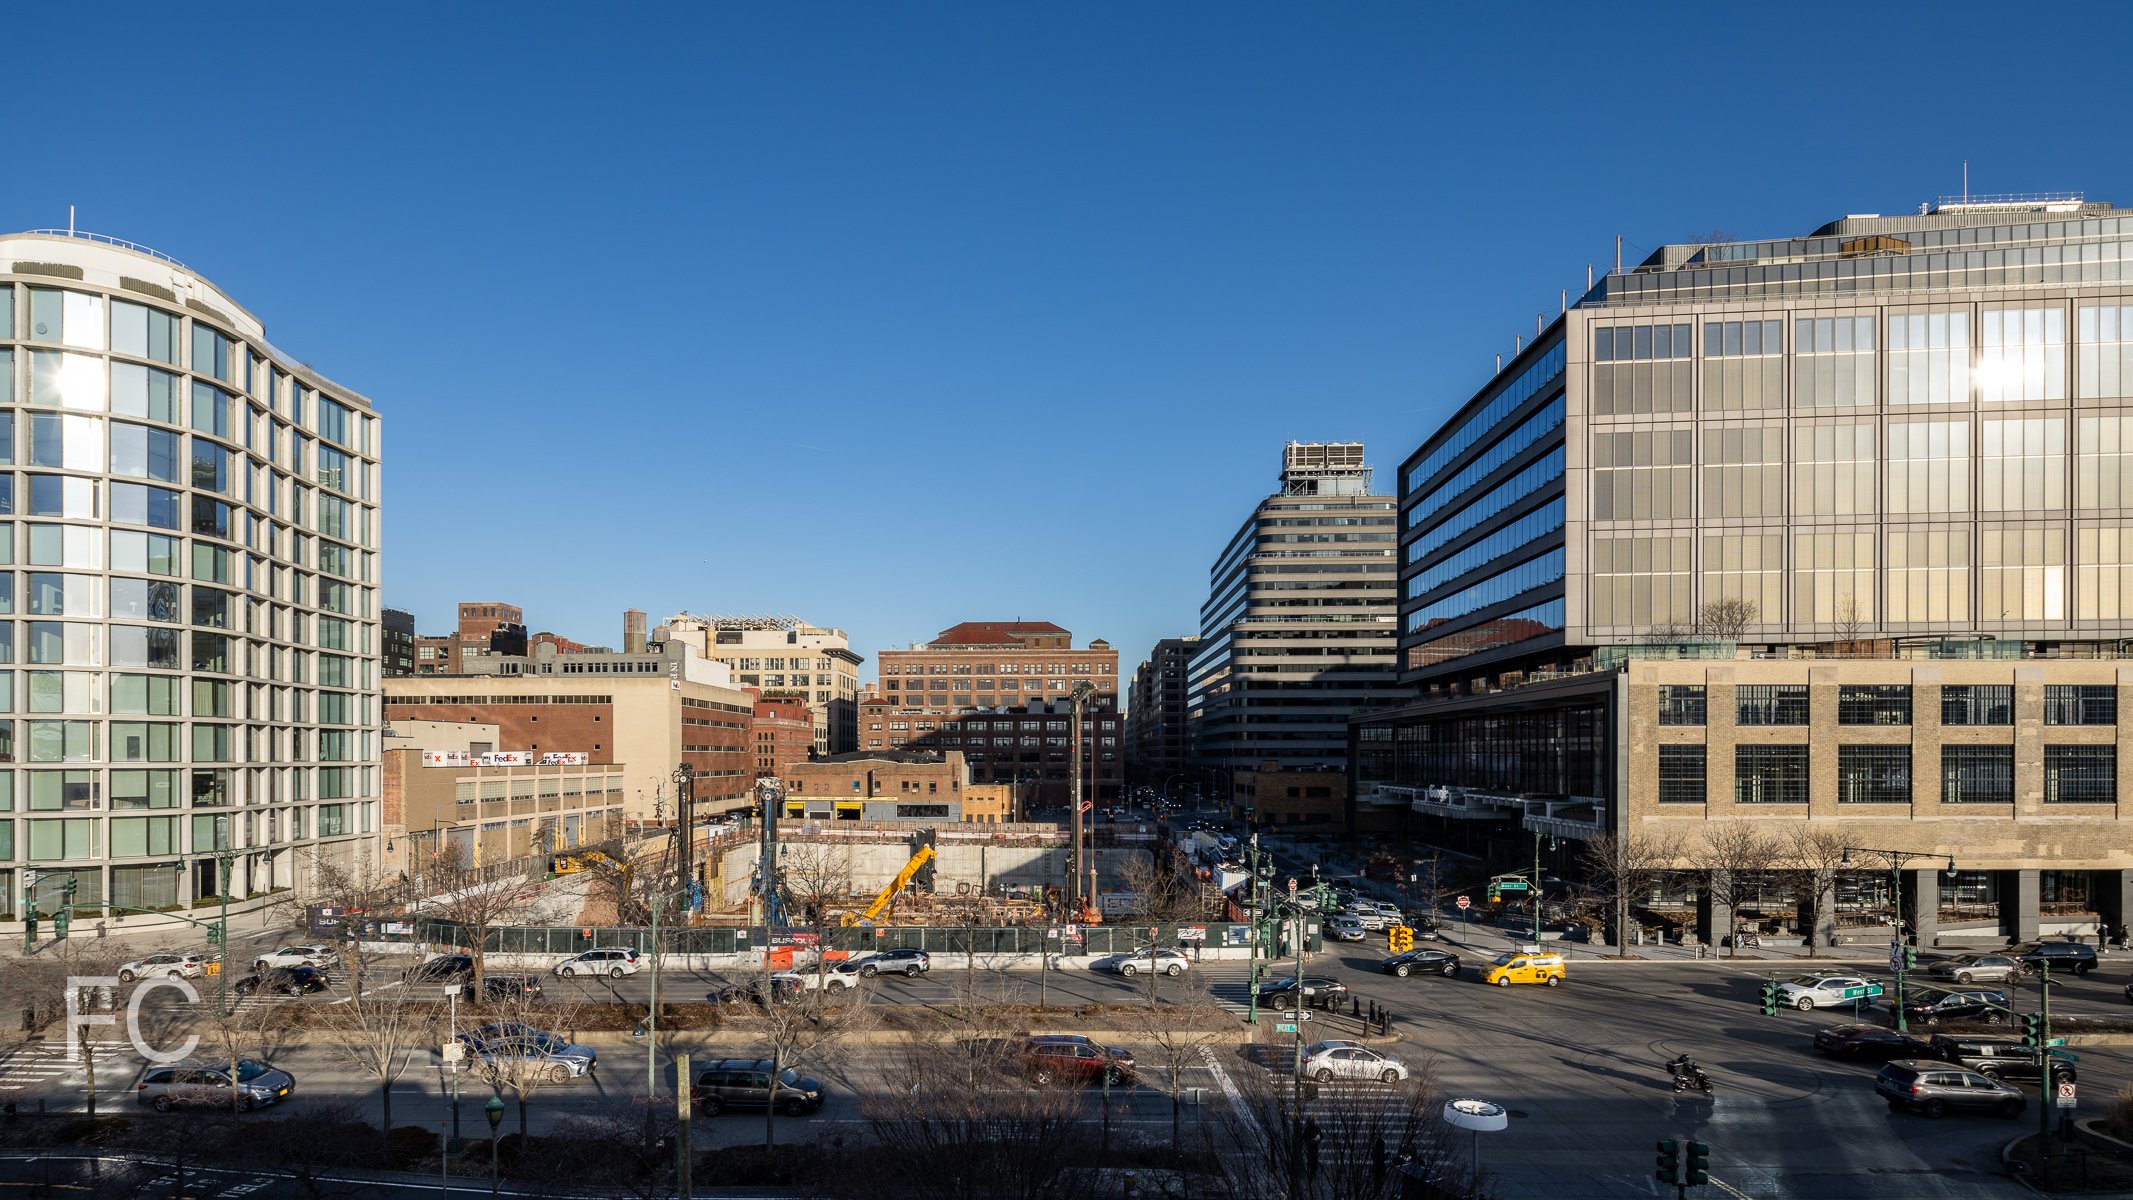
{"x": 494, "y": 814}
{"x": 785, "y": 657}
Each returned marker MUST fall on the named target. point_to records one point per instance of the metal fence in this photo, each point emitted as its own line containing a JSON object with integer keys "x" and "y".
{"x": 1025, "y": 939}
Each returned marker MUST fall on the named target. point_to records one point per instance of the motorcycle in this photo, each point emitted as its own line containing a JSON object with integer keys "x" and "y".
{"x": 1688, "y": 1076}
{"x": 1747, "y": 938}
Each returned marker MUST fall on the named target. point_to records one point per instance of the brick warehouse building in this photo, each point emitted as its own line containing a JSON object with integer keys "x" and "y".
{"x": 999, "y": 693}
{"x": 784, "y": 732}
{"x": 648, "y": 711}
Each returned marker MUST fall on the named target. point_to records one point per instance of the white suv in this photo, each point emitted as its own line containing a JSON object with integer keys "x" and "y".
{"x": 170, "y": 966}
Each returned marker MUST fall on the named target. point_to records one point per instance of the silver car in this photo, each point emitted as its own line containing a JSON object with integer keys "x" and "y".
{"x": 1338, "y": 1059}
{"x": 1979, "y": 968}
{"x": 208, "y": 1086}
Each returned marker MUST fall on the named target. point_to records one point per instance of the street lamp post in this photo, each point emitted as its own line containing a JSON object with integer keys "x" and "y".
{"x": 1078, "y": 703}
{"x": 1899, "y": 961}
{"x": 494, "y": 1110}
{"x": 451, "y": 991}
{"x": 1476, "y": 1117}
{"x": 222, "y": 929}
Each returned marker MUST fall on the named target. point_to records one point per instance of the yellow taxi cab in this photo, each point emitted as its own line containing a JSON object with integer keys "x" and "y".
{"x": 1518, "y": 966}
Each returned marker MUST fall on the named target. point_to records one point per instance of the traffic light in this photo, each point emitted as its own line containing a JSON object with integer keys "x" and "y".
{"x": 1699, "y": 1165}
{"x": 214, "y": 933}
{"x": 2032, "y": 1030}
{"x": 60, "y": 921}
{"x": 1670, "y": 1161}
{"x": 1400, "y": 938}
{"x": 1910, "y": 958}
{"x": 69, "y": 889}
{"x": 1770, "y": 998}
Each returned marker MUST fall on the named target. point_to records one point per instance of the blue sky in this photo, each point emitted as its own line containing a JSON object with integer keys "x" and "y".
{"x": 895, "y": 315}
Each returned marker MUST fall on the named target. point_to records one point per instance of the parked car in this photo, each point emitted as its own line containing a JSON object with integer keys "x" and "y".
{"x": 1979, "y": 968}
{"x": 1805, "y": 991}
{"x": 163, "y": 1088}
{"x": 1427, "y": 962}
{"x": 1170, "y": 962}
{"x": 2066, "y": 958}
{"x": 903, "y": 961}
{"x": 1870, "y": 1043}
{"x": 2000, "y": 1058}
{"x": 1330, "y": 1060}
{"x": 1068, "y": 1058}
{"x": 833, "y": 977}
{"x": 510, "y": 1046}
{"x": 164, "y": 966}
{"x": 1935, "y": 1088}
{"x": 297, "y": 956}
{"x": 746, "y": 1083}
{"x": 1311, "y": 989}
{"x": 1369, "y": 918}
{"x": 1987, "y": 1007}
{"x": 611, "y": 961}
{"x": 285, "y": 981}
{"x": 445, "y": 968}
{"x": 1343, "y": 927}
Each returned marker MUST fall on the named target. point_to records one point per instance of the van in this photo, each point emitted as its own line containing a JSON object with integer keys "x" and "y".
{"x": 1519, "y": 967}
{"x": 745, "y": 1083}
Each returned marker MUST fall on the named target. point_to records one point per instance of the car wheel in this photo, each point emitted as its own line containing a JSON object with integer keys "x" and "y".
{"x": 557, "y": 1073}
{"x": 1935, "y": 1109}
{"x": 1041, "y": 1075}
{"x": 1995, "y": 1017}
{"x": 2011, "y": 1109}
{"x": 911, "y": 972}
{"x": 1504, "y": 982}
{"x": 1128, "y": 970}
{"x": 127, "y": 976}
{"x": 868, "y": 972}
{"x": 1388, "y": 1076}
{"x": 245, "y": 1105}
{"x": 1991, "y": 1073}
{"x": 1174, "y": 970}
{"x": 1932, "y": 1022}
{"x": 1323, "y": 1075}
{"x": 162, "y": 1104}
{"x": 1895, "y": 1106}
{"x": 1804, "y": 1003}
{"x": 1552, "y": 980}
{"x": 1962, "y": 977}
{"x": 616, "y": 973}
{"x": 795, "y": 1108}
{"x": 1400, "y": 970}
{"x": 1450, "y": 969}
{"x": 1113, "y": 1077}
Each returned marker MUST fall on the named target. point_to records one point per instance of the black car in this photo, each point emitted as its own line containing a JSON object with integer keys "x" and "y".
{"x": 286, "y": 981}
{"x": 784, "y": 987}
{"x": 2065, "y": 958}
{"x": 1321, "y": 990}
{"x": 1999, "y": 1058}
{"x": 1870, "y": 1043}
{"x": 1987, "y": 1008}
{"x": 1421, "y": 962}
{"x": 459, "y": 968}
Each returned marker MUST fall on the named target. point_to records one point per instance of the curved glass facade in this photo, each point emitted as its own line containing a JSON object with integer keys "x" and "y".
{"x": 188, "y": 593}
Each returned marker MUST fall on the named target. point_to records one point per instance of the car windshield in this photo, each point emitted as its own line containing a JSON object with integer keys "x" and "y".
{"x": 1505, "y": 960}
{"x": 1807, "y": 980}
{"x": 248, "y": 1070}
{"x": 789, "y": 1077}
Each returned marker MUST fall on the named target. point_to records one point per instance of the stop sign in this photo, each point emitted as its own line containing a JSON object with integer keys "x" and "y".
{"x": 1292, "y": 883}
{"x": 1465, "y": 903}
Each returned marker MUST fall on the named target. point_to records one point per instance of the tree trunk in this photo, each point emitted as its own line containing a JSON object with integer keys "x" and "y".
{"x": 385, "y": 1100}
{"x": 522, "y": 1120}
{"x": 1621, "y": 923}
{"x": 770, "y": 1110}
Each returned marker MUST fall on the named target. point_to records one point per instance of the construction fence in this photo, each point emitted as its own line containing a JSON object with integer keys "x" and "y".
{"x": 861, "y": 939}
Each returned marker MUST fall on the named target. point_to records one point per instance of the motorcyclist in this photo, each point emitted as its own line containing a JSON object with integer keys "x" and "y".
{"x": 1686, "y": 1073}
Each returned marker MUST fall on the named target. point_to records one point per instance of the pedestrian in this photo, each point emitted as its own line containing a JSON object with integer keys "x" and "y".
{"x": 1377, "y": 1162}
{"x": 1312, "y": 1137}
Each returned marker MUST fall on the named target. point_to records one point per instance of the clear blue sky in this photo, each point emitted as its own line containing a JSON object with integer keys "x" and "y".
{"x": 895, "y": 315}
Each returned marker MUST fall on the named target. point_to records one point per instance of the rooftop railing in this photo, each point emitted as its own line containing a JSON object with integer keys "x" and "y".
{"x": 108, "y": 240}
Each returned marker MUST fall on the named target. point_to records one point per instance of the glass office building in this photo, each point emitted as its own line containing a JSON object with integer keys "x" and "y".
{"x": 1891, "y": 458}
{"x": 189, "y": 646}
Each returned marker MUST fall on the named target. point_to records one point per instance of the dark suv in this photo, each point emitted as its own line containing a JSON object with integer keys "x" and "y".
{"x": 2066, "y": 958}
{"x": 1935, "y": 1088}
{"x": 1068, "y": 1058}
{"x": 745, "y": 1083}
{"x": 2000, "y": 1058}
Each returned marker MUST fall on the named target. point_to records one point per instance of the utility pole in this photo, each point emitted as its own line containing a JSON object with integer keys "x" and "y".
{"x": 657, "y": 901}
{"x": 222, "y": 929}
{"x": 684, "y": 1154}
{"x": 2046, "y": 1086}
{"x": 1079, "y": 863}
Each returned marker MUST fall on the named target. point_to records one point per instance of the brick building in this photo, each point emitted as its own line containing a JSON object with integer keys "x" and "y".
{"x": 999, "y": 693}
{"x": 651, "y": 711}
{"x": 892, "y": 786}
{"x": 784, "y": 732}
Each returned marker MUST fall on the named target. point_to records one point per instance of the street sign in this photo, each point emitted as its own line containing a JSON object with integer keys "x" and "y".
{"x": 2066, "y": 1056}
{"x": 2056, "y": 1042}
{"x": 454, "y": 1051}
{"x": 1298, "y": 1016}
{"x": 1512, "y": 885}
{"x": 1292, "y": 885}
{"x": 1868, "y": 992}
{"x": 1895, "y": 957}
{"x": 1465, "y": 904}
{"x": 1284, "y": 1029}
{"x": 2066, "y": 1093}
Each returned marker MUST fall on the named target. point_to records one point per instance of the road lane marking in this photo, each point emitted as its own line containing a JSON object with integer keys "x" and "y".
{"x": 1222, "y": 1079}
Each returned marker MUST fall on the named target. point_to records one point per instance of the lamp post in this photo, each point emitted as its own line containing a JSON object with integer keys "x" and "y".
{"x": 1535, "y": 896}
{"x": 1899, "y": 961}
{"x": 685, "y": 822}
{"x": 1078, "y": 703}
{"x": 222, "y": 929}
{"x": 494, "y": 1110}
{"x": 451, "y": 991}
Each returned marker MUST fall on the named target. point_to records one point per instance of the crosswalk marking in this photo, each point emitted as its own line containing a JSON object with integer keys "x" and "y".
{"x": 43, "y": 1062}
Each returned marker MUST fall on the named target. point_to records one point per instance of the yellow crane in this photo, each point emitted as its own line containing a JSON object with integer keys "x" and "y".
{"x": 920, "y": 858}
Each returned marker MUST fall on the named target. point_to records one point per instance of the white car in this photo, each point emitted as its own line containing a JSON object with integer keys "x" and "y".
{"x": 1370, "y": 918}
{"x": 611, "y": 961}
{"x": 1339, "y": 1059}
{"x": 1342, "y": 927}
{"x": 837, "y": 977}
{"x": 296, "y": 956}
{"x": 166, "y": 966}
{"x": 1168, "y": 962}
{"x": 1806, "y": 991}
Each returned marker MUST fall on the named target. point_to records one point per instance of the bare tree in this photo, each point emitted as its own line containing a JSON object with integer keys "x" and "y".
{"x": 1184, "y": 1037}
{"x": 257, "y": 1031}
{"x": 1341, "y": 1144}
{"x": 1169, "y": 893}
{"x": 376, "y": 1031}
{"x": 1810, "y": 861}
{"x": 532, "y": 1056}
{"x": 1666, "y": 633}
{"x": 1739, "y": 856}
{"x": 949, "y": 1131}
{"x": 1851, "y": 622}
{"x": 468, "y": 898}
{"x": 1624, "y": 866}
{"x": 816, "y": 879}
{"x": 1726, "y": 618}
